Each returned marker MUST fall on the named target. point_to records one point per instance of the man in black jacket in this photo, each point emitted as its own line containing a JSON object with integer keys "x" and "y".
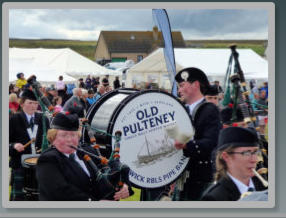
{"x": 193, "y": 84}
{"x": 62, "y": 173}
{"x": 23, "y": 127}
{"x": 236, "y": 158}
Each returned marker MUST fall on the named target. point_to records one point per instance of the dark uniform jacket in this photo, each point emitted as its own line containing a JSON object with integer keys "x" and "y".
{"x": 207, "y": 125}
{"x": 18, "y": 133}
{"x": 60, "y": 180}
{"x": 226, "y": 190}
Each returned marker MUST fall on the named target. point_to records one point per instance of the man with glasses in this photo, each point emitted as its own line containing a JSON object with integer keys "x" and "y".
{"x": 236, "y": 158}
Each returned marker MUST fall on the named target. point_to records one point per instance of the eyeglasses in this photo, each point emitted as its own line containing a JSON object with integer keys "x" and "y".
{"x": 246, "y": 153}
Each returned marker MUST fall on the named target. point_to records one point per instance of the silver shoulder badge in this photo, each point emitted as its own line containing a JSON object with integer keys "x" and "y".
{"x": 185, "y": 75}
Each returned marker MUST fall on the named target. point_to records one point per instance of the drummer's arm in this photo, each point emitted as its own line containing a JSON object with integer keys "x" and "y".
{"x": 52, "y": 181}
{"x": 209, "y": 128}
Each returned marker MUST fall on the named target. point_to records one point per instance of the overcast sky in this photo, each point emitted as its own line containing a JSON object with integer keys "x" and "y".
{"x": 79, "y": 24}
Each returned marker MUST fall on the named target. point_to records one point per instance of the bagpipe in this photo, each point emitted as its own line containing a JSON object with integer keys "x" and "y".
{"x": 109, "y": 174}
{"x": 241, "y": 100}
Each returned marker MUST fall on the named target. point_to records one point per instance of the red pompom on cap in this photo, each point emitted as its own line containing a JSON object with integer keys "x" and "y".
{"x": 235, "y": 125}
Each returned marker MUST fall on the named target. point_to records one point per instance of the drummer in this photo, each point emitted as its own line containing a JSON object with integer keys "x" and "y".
{"x": 62, "y": 174}
{"x": 193, "y": 84}
{"x": 23, "y": 127}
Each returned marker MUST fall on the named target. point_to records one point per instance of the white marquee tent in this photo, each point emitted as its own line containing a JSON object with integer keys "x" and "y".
{"x": 49, "y": 64}
{"x": 213, "y": 62}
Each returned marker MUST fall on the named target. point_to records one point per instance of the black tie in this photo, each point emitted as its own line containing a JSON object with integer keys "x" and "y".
{"x": 250, "y": 189}
{"x": 72, "y": 158}
{"x": 32, "y": 123}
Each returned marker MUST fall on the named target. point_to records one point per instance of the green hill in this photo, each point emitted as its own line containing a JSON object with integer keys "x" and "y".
{"x": 258, "y": 46}
{"x": 87, "y": 48}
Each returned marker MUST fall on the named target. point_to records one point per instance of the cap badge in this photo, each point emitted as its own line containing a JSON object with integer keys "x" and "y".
{"x": 185, "y": 75}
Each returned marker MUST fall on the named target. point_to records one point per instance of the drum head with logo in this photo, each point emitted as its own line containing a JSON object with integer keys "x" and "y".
{"x": 145, "y": 145}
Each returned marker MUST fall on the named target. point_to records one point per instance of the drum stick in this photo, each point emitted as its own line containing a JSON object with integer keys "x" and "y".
{"x": 28, "y": 143}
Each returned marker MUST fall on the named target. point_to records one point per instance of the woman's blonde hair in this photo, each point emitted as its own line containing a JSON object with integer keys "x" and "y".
{"x": 13, "y": 98}
{"x": 221, "y": 167}
{"x": 52, "y": 134}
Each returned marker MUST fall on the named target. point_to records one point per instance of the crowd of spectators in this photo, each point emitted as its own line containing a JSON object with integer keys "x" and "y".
{"x": 60, "y": 95}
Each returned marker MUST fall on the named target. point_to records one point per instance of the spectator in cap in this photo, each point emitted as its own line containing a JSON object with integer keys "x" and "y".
{"x": 193, "y": 84}
{"x": 211, "y": 95}
{"x": 23, "y": 127}
{"x": 61, "y": 172}
{"x": 236, "y": 158}
{"x": 21, "y": 81}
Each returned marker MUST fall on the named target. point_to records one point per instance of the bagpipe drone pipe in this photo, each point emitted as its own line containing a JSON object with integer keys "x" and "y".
{"x": 242, "y": 101}
{"x": 109, "y": 174}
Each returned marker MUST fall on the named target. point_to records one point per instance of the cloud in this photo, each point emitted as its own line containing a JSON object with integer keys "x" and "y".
{"x": 86, "y": 24}
{"x": 221, "y": 23}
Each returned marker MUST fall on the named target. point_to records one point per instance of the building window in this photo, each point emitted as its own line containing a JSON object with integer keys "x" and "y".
{"x": 139, "y": 58}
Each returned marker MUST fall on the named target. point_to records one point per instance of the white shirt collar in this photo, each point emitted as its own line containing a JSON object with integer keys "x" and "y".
{"x": 241, "y": 186}
{"x": 192, "y": 106}
{"x": 29, "y": 117}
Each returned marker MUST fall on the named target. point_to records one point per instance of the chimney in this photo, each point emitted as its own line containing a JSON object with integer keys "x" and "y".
{"x": 155, "y": 33}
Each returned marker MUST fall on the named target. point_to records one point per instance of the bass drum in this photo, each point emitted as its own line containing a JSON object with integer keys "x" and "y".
{"x": 145, "y": 146}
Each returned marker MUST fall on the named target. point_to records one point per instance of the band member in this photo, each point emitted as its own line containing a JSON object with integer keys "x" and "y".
{"x": 206, "y": 120}
{"x": 228, "y": 119}
{"x": 211, "y": 95}
{"x": 62, "y": 174}
{"x": 236, "y": 158}
{"x": 23, "y": 127}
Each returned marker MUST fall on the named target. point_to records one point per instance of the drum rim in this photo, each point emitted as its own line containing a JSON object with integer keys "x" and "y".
{"x": 120, "y": 108}
{"x": 93, "y": 109}
{"x": 26, "y": 156}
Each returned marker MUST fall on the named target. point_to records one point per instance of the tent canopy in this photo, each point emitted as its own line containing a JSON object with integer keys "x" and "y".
{"x": 49, "y": 64}
{"x": 213, "y": 62}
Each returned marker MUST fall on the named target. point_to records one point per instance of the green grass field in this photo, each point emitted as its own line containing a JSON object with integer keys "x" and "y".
{"x": 87, "y": 48}
{"x": 135, "y": 197}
